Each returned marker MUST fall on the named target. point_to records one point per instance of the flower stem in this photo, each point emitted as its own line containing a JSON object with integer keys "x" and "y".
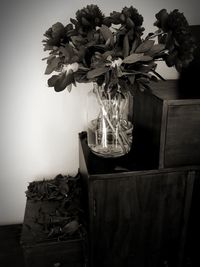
{"x": 120, "y": 137}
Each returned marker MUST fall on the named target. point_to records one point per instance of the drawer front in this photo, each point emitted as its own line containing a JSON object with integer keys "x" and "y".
{"x": 182, "y": 142}
{"x": 55, "y": 255}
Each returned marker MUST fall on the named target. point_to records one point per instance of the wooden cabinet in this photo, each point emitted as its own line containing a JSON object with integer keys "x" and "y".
{"x": 192, "y": 250}
{"x": 137, "y": 216}
{"x": 167, "y": 126}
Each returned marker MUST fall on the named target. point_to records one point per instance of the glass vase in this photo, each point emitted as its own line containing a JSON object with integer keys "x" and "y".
{"x": 109, "y": 118}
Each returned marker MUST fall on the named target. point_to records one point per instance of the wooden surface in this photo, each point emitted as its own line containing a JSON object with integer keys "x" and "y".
{"x": 182, "y": 143}
{"x": 167, "y": 127}
{"x": 136, "y": 218}
{"x": 138, "y": 221}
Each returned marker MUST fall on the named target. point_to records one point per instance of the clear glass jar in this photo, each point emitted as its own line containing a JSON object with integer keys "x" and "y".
{"x": 109, "y": 118}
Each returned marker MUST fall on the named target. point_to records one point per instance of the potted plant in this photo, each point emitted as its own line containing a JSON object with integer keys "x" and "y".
{"x": 111, "y": 53}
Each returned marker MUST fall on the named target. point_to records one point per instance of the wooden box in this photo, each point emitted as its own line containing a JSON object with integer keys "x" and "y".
{"x": 167, "y": 127}
{"x": 41, "y": 251}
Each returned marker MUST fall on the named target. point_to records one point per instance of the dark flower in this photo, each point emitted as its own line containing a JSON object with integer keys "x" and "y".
{"x": 56, "y": 35}
{"x": 178, "y": 39}
{"x": 130, "y": 18}
{"x": 89, "y": 17}
{"x": 132, "y": 14}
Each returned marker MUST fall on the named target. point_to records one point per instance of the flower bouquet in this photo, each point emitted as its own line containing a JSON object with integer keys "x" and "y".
{"x": 111, "y": 52}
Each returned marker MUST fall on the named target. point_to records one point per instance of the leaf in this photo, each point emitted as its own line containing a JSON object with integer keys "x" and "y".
{"x": 52, "y": 64}
{"x": 145, "y": 46}
{"x": 132, "y": 79}
{"x": 107, "y": 53}
{"x": 135, "y": 57}
{"x": 77, "y": 40}
{"x": 52, "y": 80}
{"x": 75, "y": 22}
{"x": 147, "y": 67}
{"x": 130, "y": 23}
{"x": 63, "y": 81}
{"x": 67, "y": 52}
{"x": 107, "y": 34}
{"x": 71, "y": 227}
{"x": 134, "y": 45}
{"x": 96, "y": 72}
{"x": 69, "y": 87}
{"x": 157, "y": 48}
{"x": 125, "y": 46}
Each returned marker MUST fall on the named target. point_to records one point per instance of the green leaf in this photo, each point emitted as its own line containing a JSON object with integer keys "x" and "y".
{"x": 130, "y": 23}
{"x": 125, "y": 46}
{"x": 135, "y": 57}
{"x": 107, "y": 34}
{"x": 71, "y": 227}
{"x": 146, "y": 58}
{"x": 96, "y": 72}
{"x": 145, "y": 46}
{"x": 63, "y": 81}
{"x": 52, "y": 64}
{"x": 134, "y": 45}
{"x": 157, "y": 48}
{"x": 52, "y": 80}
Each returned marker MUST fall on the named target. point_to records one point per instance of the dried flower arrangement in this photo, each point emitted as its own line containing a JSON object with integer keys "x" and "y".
{"x": 110, "y": 49}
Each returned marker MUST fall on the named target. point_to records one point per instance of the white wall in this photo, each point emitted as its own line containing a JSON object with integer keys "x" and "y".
{"x": 38, "y": 127}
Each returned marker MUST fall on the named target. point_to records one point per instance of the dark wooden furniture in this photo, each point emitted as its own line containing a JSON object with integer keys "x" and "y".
{"x": 167, "y": 126}
{"x": 192, "y": 250}
{"x": 11, "y": 253}
{"x": 137, "y": 216}
{"x": 40, "y": 251}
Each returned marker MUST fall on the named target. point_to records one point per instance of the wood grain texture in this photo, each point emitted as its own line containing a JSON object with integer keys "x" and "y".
{"x": 138, "y": 220}
{"x": 182, "y": 144}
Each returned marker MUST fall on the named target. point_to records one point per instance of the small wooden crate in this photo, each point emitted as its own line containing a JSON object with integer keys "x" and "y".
{"x": 42, "y": 252}
{"x": 167, "y": 127}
